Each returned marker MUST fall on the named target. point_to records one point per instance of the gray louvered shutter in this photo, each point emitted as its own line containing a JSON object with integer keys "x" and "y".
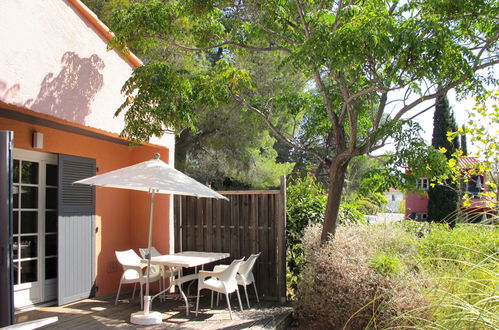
{"x": 76, "y": 230}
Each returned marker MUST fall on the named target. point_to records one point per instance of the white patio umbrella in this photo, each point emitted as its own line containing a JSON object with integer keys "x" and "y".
{"x": 155, "y": 177}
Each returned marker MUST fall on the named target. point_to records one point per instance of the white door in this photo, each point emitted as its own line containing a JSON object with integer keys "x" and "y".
{"x": 34, "y": 227}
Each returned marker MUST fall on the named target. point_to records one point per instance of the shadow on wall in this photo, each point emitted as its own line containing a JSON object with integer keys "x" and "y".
{"x": 6, "y": 92}
{"x": 69, "y": 94}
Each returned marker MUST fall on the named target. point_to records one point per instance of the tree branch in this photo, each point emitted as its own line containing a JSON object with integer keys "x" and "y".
{"x": 226, "y": 43}
{"x": 278, "y": 132}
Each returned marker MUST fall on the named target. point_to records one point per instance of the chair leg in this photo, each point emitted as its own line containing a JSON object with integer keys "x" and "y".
{"x": 218, "y": 298}
{"x": 133, "y": 293}
{"x": 211, "y": 299}
{"x": 256, "y": 292}
{"x": 228, "y": 304}
{"x": 239, "y": 298}
{"x": 197, "y": 303}
{"x": 118, "y": 294}
{"x": 141, "y": 297}
{"x": 247, "y": 299}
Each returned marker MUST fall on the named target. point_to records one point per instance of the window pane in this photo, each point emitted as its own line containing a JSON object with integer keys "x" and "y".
{"x": 29, "y": 172}
{"x": 51, "y": 221}
{"x": 15, "y": 222}
{"x": 29, "y": 222}
{"x": 16, "y": 171}
{"x": 51, "y": 175}
{"x": 15, "y": 248}
{"x": 16, "y": 273}
{"x": 51, "y": 198}
{"x": 15, "y": 195}
{"x": 28, "y": 246}
{"x": 29, "y": 197}
{"x": 28, "y": 271}
{"x": 50, "y": 245}
{"x": 50, "y": 268}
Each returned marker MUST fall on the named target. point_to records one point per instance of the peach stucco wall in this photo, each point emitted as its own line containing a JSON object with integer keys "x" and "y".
{"x": 121, "y": 215}
{"x": 55, "y": 62}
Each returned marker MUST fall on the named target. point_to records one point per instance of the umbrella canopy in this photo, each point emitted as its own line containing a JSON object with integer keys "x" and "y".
{"x": 152, "y": 175}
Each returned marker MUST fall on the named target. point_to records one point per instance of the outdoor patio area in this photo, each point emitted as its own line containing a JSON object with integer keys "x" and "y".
{"x": 103, "y": 313}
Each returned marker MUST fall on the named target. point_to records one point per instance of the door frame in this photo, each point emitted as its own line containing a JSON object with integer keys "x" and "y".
{"x": 40, "y": 286}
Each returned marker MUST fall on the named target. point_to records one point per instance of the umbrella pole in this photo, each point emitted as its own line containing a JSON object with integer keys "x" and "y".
{"x": 149, "y": 245}
{"x": 146, "y": 317}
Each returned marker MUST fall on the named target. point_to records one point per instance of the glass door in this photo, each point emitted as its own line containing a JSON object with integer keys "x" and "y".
{"x": 34, "y": 227}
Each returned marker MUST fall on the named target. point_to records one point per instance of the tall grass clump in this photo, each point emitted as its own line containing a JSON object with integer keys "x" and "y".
{"x": 363, "y": 278}
{"x": 463, "y": 264}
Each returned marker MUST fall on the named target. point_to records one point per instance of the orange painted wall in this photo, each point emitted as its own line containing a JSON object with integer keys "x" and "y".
{"x": 122, "y": 216}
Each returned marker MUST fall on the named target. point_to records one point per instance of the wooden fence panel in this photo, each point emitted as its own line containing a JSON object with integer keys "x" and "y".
{"x": 251, "y": 222}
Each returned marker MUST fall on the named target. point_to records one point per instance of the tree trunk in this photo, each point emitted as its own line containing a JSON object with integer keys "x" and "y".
{"x": 336, "y": 179}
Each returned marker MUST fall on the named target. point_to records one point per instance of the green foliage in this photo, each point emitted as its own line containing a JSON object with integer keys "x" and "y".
{"x": 411, "y": 152}
{"x": 482, "y": 128}
{"x": 444, "y": 122}
{"x": 443, "y": 200}
{"x": 357, "y": 168}
{"x": 216, "y": 142}
{"x": 368, "y": 203}
{"x": 464, "y": 265}
{"x": 386, "y": 264}
{"x": 354, "y": 56}
{"x": 305, "y": 204}
{"x": 350, "y": 214}
{"x": 266, "y": 172}
{"x": 465, "y": 243}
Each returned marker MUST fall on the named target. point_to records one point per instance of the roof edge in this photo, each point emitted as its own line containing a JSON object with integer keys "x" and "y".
{"x": 101, "y": 27}
{"x": 58, "y": 123}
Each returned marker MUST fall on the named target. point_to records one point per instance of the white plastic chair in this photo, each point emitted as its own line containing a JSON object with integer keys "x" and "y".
{"x": 165, "y": 272}
{"x": 133, "y": 273}
{"x": 244, "y": 275}
{"x": 221, "y": 282}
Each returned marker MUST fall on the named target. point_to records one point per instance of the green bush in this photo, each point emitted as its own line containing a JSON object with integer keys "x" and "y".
{"x": 340, "y": 288}
{"x": 386, "y": 264}
{"x": 350, "y": 214}
{"x": 305, "y": 204}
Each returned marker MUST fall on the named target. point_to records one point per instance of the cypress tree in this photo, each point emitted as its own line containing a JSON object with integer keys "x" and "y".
{"x": 443, "y": 199}
{"x": 464, "y": 143}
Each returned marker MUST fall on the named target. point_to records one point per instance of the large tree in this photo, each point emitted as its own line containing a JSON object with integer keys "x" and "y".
{"x": 443, "y": 199}
{"x": 227, "y": 148}
{"x": 370, "y": 63}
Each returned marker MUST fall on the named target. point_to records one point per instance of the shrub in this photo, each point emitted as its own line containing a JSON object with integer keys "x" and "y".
{"x": 386, "y": 264}
{"x": 350, "y": 214}
{"x": 306, "y": 203}
{"x": 340, "y": 288}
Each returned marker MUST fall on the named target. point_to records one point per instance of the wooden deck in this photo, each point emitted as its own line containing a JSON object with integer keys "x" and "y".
{"x": 100, "y": 313}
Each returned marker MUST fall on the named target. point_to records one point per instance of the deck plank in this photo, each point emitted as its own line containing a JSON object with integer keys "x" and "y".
{"x": 100, "y": 313}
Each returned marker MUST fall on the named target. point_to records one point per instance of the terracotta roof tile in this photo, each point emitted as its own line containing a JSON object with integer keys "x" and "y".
{"x": 468, "y": 162}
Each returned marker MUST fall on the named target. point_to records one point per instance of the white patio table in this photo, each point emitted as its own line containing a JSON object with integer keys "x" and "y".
{"x": 186, "y": 259}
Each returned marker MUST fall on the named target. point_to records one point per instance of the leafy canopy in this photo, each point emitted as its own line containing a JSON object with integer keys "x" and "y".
{"x": 354, "y": 55}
